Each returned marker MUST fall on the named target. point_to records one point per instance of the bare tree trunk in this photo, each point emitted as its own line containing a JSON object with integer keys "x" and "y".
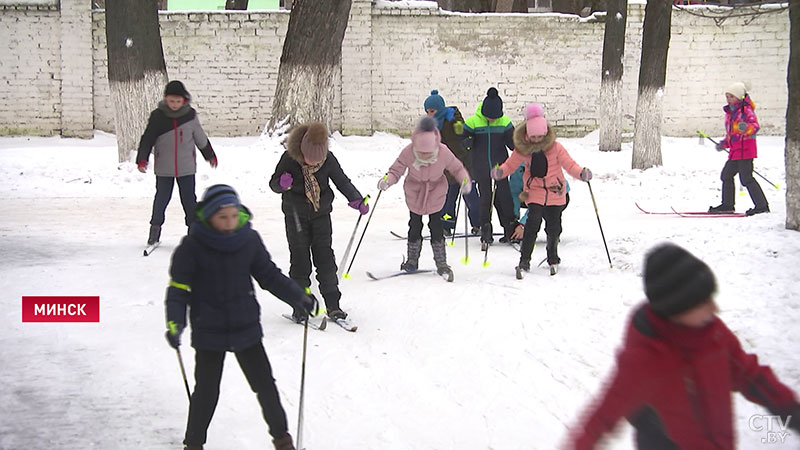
{"x": 136, "y": 70}
{"x": 310, "y": 59}
{"x": 611, "y": 78}
{"x": 236, "y": 4}
{"x": 652, "y": 77}
{"x": 792, "y": 151}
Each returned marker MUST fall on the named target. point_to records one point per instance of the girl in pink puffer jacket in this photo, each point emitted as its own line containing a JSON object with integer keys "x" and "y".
{"x": 426, "y": 159}
{"x": 544, "y": 186}
{"x": 741, "y": 126}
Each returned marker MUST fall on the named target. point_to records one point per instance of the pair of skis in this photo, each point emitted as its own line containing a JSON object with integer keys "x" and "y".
{"x": 696, "y": 214}
{"x": 321, "y": 325}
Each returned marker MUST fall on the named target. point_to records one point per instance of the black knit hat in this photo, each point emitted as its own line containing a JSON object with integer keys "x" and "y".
{"x": 175, "y": 87}
{"x": 676, "y": 281}
{"x": 492, "y": 107}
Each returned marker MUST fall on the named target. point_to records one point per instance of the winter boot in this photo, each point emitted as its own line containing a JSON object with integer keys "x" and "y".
{"x": 412, "y": 262}
{"x": 522, "y": 266}
{"x": 155, "y": 234}
{"x": 336, "y": 314}
{"x": 721, "y": 209}
{"x": 284, "y": 443}
{"x": 552, "y": 250}
{"x": 757, "y": 210}
{"x": 440, "y": 257}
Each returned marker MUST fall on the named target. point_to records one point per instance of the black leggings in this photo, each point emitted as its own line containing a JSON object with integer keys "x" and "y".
{"x": 207, "y": 375}
{"x": 434, "y": 224}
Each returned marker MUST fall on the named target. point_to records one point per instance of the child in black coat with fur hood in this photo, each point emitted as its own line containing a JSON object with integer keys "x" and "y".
{"x": 303, "y": 177}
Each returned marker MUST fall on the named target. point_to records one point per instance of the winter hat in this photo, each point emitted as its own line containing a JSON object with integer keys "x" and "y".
{"x": 314, "y": 145}
{"x": 426, "y": 136}
{"x": 434, "y": 101}
{"x": 676, "y": 281}
{"x": 536, "y": 124}
{"x": 215, "y": 198}
{"x": 492, "y": 107}
{"x": 175, "y": 87}
{"x": 737, "y": 89}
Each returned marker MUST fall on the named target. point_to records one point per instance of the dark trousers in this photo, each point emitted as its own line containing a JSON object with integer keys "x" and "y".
{"x": 164, "y": 194}
{"x": 552, "y": 227}
{"x": 744, "y": 167}
{"x": 471, "y": 203}
{"x": 207, "y": 375}
{"x": 434, "y": 225}
{"x": 311, "y": 238}
{"x": 502, "y": 204}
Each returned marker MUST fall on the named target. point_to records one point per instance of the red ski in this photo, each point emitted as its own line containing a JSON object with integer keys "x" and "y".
{"x": 689, "y": 213}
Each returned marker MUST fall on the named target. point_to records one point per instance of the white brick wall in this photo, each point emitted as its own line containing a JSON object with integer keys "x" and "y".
{"x": 76, "y": 69}
{"x": 392, "y": 58}
{"x": 30, "y": 66}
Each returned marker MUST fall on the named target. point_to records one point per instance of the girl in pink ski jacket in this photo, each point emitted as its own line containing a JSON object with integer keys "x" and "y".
{"x": 544, "y": 186}
{"x": 425, "y": 187}
{"x": 741, "y": 126}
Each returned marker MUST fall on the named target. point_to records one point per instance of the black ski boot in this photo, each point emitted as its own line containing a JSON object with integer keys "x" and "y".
{"x": 155, "y": 234}
{"x": 721, "y": 209}
{"x": 522, "y": 266}
{"x": 411, "y": 264}
{"x": 440, "y": 257}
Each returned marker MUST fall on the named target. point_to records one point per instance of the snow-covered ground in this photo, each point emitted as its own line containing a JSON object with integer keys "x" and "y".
{"x": 486, "y": 362}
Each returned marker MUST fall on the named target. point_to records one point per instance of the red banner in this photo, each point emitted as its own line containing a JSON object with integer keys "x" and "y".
{"x": 61, "y": 309}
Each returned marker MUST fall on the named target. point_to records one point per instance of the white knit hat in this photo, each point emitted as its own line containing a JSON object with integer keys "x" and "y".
{"x": 737, "y": 89}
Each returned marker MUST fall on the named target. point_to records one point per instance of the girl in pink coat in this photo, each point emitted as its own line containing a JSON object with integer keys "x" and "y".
{"x": 426, "y": 159}
{"x": 741, "y": 126}
{"x": 544, "y": 186}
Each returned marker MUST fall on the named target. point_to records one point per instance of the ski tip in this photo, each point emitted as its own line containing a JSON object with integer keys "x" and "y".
{"x": 323, "y": 324}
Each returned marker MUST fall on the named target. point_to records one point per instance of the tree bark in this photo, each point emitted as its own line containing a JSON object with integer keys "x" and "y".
{"x": 310, "y": 60}
{"x": 792, "y": 151}
{"x": 136, "y": 69}
{"x": 652, "y": 77}
{"x": 611, "y": 78}
{"x": 236, "y": 4}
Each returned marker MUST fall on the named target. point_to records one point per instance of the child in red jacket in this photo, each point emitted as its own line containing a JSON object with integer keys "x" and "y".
{"x": 679, "y": 365}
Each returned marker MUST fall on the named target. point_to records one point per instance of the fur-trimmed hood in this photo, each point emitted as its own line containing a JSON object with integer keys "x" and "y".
{"x": 528, "y": 148}
{"x": 318, "y": 136}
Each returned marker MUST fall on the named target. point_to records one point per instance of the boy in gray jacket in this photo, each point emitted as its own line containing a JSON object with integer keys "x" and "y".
{"x": 173, "y": 132}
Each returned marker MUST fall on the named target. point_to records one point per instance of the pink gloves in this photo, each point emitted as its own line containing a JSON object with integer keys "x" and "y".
{"x": 586, "y": 174}
{"x": 497, "y": 173}
{"x": 383, "y": 184}
{"x": 285, "y": 181}
{"x": 359, "y": 204}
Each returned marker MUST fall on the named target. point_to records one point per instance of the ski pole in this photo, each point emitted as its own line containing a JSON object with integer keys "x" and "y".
{"x": 302, "y": 385}
{"x": 465, "y": 261}
{"x": 455, "y": 220}
{"x": 366, "y": 225}
{"x": 491, "y": 203}
{"x": 600, "y": 225}
{"x": 726, "y": 151}
{"x": 352, "y": 238}
{"x": 183, "y": 373}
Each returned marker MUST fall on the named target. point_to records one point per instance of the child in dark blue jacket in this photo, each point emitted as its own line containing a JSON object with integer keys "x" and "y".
{"x": 211, "y": 274}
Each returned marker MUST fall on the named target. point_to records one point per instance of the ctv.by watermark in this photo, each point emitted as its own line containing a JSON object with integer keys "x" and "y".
{"x": 775, "y": 427}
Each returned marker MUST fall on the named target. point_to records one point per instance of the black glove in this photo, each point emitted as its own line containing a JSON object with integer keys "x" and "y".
{"x": 309, "y": 304}
{"x": 173, "y": 334}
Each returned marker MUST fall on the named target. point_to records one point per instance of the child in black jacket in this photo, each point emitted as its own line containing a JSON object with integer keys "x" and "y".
{"x": 303, "y": 177}
{"x": 211, "y": 274}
